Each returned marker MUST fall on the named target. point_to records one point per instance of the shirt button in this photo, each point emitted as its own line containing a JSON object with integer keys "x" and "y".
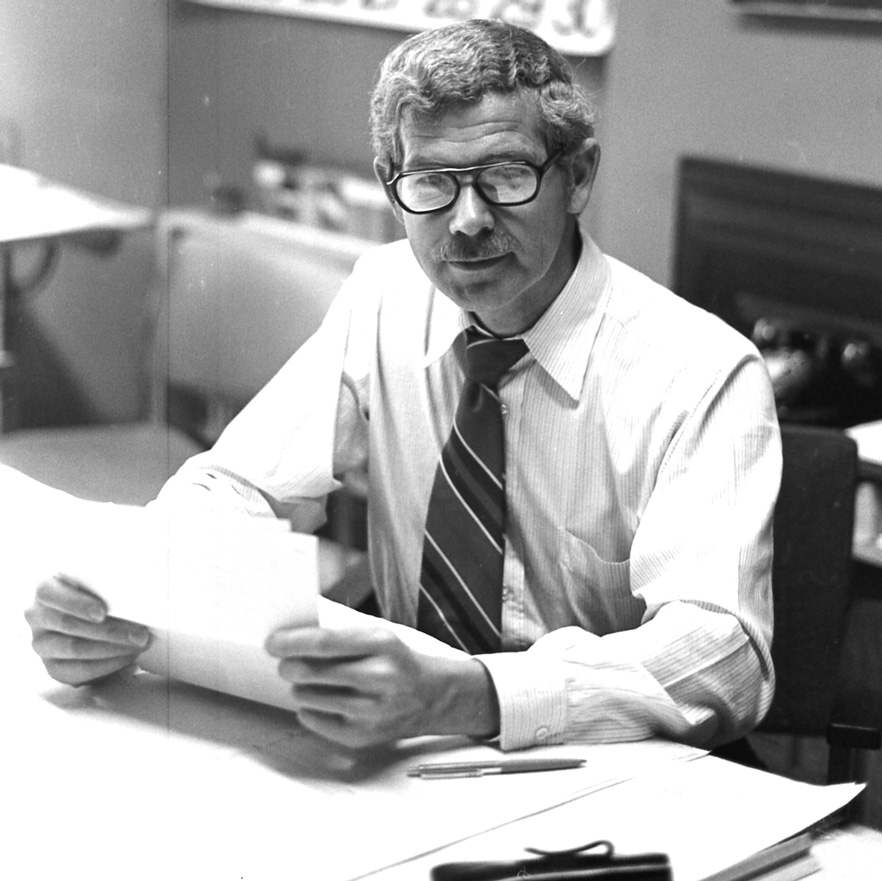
{"x": 503, "y": 409}
{"x": 541, "y": 732}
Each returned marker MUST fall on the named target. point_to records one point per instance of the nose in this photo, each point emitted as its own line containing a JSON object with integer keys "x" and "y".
{"x": 470, "y": 214}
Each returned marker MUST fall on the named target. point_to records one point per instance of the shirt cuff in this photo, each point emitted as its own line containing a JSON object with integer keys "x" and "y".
{"x": 532, "y": 698}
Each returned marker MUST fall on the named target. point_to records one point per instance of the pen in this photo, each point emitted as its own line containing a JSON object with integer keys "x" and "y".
{"x": 446, "y": 770}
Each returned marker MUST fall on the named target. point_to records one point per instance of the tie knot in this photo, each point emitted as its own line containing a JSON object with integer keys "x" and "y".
{"x": 487, "y": 358}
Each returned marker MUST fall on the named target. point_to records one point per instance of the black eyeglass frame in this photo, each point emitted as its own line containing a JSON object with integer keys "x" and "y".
{"x": 453, "y": 173}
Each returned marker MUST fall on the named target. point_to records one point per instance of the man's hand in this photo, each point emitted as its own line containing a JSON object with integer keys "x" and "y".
{"x": 364, "y": 686}
{"x": 75, "y": 637}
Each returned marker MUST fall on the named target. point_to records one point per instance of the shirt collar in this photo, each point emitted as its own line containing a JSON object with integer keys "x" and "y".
{"x": 561, "y": 339}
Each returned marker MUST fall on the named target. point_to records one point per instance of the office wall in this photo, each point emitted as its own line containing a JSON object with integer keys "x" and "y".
{"x": 694, "y": 76}
{"x": 303, "y": 83}
{"x": 83, "y": 90}
{"x": 685, "y": 76}
{"x": 142, "y": 100}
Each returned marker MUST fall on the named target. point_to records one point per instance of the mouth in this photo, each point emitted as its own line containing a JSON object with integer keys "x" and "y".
{"x": 473, "y": 264}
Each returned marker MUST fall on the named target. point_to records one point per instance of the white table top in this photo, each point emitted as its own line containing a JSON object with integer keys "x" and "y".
{"x": 150, "y": 778}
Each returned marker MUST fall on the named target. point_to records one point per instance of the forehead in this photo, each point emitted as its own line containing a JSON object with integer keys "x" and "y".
{"x": 499, "y": 126}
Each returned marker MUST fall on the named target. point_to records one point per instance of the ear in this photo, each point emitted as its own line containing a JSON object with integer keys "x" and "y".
{"x": 584, "y": 169}
{"x": 383, "y": 173}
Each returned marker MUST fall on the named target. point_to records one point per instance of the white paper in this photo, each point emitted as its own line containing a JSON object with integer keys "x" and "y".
{"x": 211, "y": 589}
{"x": 869, "y": 440}
{"x": 32, "y": 207}
{"x": 706, "y": 815}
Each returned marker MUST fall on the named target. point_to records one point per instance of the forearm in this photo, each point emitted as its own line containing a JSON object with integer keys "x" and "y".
{"x": 691, "y": 674}
{"x": 278, "y": 457}
{"x": 204, "y": 484}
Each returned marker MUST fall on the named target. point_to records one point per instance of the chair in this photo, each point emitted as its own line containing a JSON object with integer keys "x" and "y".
{"x": 811, "y": 574}
{"x": 234, "y": 297}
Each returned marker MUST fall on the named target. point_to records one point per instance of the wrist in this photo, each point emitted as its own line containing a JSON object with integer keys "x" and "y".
{"x": 469, "y": 704}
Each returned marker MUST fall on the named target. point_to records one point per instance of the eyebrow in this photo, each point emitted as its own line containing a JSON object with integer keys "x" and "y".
{"x": 419, "y": 163}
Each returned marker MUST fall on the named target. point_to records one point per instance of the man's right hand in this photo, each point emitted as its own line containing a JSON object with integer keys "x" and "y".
{"x": 76, "y": 638}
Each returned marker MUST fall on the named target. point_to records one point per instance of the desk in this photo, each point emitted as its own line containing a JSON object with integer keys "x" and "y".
{"x": 145, "y": 778}
{"x": 148, "y": 780}
{"x": 176, "y": 783}
{"x": 849, "y": 853}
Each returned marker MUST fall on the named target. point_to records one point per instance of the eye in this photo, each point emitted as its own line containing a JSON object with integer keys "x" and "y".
{"x": 429, "y": 182}
{"x": 508, "y": 182}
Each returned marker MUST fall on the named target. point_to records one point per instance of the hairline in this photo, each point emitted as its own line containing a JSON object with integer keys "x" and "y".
{"x": 409, "y": 115}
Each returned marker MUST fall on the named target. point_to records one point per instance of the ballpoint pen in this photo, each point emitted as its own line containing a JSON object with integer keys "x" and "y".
{"x": 446, "y": 770}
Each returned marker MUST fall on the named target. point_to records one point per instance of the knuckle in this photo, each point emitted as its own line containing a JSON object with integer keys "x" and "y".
{"x": 382, "y": 640}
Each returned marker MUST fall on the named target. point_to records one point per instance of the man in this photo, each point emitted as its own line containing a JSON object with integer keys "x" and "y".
{"x": 630, "y": 513}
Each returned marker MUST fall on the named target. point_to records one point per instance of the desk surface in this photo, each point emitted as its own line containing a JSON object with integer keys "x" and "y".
{"x": 850, "y": 853}
{"x": 152, "y": 779}
{"x": 853, "y": 853}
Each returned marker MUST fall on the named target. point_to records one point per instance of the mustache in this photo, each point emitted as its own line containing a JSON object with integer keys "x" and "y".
{"x": 494, "y": 244}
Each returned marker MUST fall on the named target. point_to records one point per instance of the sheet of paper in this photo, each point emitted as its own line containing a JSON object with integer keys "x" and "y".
{"x": 210, "y": 589}
{"x": 36, "y": 208}
{"x": 706, "y": 815}
{"x": 869, "y": 440}
{"x": 169, "y": 775}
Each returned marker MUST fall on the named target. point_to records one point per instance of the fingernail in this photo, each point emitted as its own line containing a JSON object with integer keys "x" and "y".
{"x": 139, "y": 637}
{"x": 96, "y": 613}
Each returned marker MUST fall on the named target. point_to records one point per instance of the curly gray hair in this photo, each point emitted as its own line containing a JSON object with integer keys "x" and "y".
{"x": 459, "y": 64}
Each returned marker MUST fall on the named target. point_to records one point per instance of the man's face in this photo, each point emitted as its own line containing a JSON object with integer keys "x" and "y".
{"x": 506, "y": 264}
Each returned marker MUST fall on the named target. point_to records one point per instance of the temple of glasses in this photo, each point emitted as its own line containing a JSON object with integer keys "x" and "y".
{"x": 514, "y": 182}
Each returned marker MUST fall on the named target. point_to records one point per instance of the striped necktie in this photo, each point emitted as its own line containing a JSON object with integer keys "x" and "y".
{"x": 461, "y": 579}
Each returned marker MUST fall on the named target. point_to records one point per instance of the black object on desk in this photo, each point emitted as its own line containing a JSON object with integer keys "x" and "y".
{"x": 595, "y": 860}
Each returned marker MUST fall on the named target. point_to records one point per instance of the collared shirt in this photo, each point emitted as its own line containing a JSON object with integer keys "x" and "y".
{"x": 642, "y": 467}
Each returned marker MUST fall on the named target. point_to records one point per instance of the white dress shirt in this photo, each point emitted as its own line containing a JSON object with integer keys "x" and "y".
{"x": 643, "y": 464}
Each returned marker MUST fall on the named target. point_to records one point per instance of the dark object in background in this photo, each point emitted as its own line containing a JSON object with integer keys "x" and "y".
{"x": 795, "y": 262}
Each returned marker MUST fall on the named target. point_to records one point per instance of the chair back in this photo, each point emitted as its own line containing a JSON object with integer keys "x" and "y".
{"x": 814, "y": 519}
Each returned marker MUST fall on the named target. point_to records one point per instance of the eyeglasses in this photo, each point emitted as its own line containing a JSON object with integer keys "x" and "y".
{"x": 500, "y": 183}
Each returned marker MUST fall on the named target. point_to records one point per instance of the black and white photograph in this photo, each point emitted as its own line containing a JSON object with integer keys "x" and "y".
{"x": 441, "y": 440}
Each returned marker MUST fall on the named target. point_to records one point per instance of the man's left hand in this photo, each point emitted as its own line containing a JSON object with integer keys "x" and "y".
{"x": 364, "y": 686}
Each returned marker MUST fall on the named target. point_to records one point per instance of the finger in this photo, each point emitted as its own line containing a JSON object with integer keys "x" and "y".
{"x": 66, "y": 595}
{"x": 366, "y": 676}
{"x": 85, "y": 672}
{"x": 339, "y": 729}
{"x": 60, "y": 646}
{"x": 112, "y": 630}
{"x": 319, "y": 642}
